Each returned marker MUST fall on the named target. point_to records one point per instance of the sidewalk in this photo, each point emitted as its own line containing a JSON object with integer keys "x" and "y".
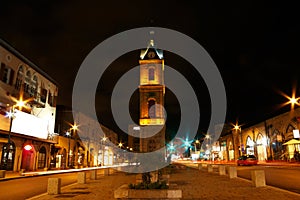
{"x": 194, "y": 184}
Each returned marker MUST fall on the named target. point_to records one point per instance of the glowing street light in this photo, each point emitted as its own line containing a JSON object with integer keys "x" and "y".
{"x": 120, "y": 144}
{"x": 11, "y": 114}
{"x": 237, "y": 127}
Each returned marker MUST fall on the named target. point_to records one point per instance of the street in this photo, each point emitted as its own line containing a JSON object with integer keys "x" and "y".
{"x": 23, "y": 188}
{"x": 284, "y": 177}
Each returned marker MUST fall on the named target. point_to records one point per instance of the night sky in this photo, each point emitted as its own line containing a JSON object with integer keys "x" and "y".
{"x": 254, "y": 45}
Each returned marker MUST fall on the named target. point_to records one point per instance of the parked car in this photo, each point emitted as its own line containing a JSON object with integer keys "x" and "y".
{"x": 247, "y": 160}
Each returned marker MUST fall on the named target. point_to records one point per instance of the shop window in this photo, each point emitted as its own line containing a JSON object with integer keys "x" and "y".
{"x": 42, "y": 158}
{"x": 8, "y": 156}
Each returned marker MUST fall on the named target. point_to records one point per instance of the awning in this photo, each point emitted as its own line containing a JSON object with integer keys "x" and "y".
{"x": 292, "y": 141}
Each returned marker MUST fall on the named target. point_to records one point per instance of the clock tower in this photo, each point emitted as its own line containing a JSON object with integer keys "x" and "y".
{"x": 152, "y": 91}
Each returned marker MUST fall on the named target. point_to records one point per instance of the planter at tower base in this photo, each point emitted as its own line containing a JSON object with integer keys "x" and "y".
{"x": 124, "y": 192}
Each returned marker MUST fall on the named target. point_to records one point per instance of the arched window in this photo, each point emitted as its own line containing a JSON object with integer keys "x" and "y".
{"x": 20, "y": 78}
{"x": 249, "y": 146}
{"x": 42, "y": 158}
{"x": 27, "y": 82}
{"x": 34, "y": 85}
{"x": 151, "y": 108}
{"x": 151, "y": 74}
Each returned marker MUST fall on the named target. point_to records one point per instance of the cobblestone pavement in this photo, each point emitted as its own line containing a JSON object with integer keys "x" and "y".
{"x": 194, "y": 184}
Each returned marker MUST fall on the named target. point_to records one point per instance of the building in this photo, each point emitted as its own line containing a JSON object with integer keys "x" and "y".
{"x": 151, "y": 91}
{"x": 276, "y": 138}
{"x": 27, "y": 112}
{"x": 84, "y": 145}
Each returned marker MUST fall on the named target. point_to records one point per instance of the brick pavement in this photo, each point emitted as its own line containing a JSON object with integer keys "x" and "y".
{"x": 195, "y": 184}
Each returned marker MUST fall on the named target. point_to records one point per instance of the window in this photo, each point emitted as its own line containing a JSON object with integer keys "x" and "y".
{"x": 151, "y": 108}
{"x": 27, "y": 82}
{"x": 8, "y": 156}
{"x": 20, "y": 78}
{"x": 33, "y": 88}
{"x": 42, "y": 158}
{"x": 151, "y": 74}
{"x": 44, "y": 95}
{"x": 6, "y": 74}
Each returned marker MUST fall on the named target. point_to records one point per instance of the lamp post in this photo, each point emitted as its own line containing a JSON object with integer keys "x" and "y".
{"x": 207, "y": 137}
{"x": 68, "y": 134}
{"x": 237, "y": 128}
{"x": 74, "y": 128}
{"x": 11, "y": 114}
{"x": 103, "y": 148}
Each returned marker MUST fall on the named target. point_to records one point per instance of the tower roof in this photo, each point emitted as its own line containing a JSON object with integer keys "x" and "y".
{"x": 157, "y": 53}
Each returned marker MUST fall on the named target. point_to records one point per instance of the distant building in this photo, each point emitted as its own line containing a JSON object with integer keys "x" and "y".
{"x": 86, "y": 146}
{"x": 276, "y": 138}
{"x": 27, "y": 112}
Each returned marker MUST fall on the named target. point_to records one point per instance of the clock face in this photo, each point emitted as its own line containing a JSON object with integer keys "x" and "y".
{"x": 151, "y": 54}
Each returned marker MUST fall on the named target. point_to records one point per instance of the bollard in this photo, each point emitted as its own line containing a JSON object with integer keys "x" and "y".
{"x": 22, "y": 171}
{"x": 93, "y": 175}
{"x": 258, "y": 178}
{"x": 2, "y": 173}
{"x": 232, "y": 172}
{"x": 222, "y": 170}
{"x": 210, "y": 168}
{"x": 200, "y": 167}
{"x": 54, "y": 185}
{"x": 106, "y": 171}
{"x": 81, "y": 177}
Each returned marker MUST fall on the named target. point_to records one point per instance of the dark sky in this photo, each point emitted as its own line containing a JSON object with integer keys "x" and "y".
{"x": 254, "y": 45}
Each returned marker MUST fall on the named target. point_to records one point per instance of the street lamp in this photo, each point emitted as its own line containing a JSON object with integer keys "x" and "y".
{"x": 68, "y": 134}
{"x": 237, "y": 127}
{"x": 207, "y": 137}
{"x": 11, "y": 114}
{"x": 74, "y": 128}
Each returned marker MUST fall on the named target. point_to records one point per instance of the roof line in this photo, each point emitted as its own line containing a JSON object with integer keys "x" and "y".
{"x": 26, "y": 60}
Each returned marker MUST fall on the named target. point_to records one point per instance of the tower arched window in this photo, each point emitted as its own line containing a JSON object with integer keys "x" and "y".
{"x": 151, "y": 108}
{"x": 151, "y": 74}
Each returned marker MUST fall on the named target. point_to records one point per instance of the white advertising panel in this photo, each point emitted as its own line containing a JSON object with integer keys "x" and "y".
{"x": 31, "y": 125}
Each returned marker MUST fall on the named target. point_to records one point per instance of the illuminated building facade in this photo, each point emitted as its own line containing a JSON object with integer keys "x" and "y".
{"x": 25, "y": 130}
{"x": 152, "y": 91}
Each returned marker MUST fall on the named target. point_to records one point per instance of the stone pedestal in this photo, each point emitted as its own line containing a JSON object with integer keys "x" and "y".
{"x": 200, "y": 166}
{"x": 106, "y": 172}
{"x": 232, "y": 172}
{"x": 258, "y": 178}
{"x": 54, "y": 185}
{"x": 210, "y": 168}
{"x": 93, "y": 175}
{"x": 81, "y": 177}
{"x": 222, "y": 170}
{"x": 2, "y": 173}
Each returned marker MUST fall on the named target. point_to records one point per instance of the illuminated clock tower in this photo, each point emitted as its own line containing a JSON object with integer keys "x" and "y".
{"x": 152, "y": 91}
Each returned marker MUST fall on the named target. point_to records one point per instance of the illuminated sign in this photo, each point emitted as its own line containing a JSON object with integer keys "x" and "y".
{"x": 31, "y": 125}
